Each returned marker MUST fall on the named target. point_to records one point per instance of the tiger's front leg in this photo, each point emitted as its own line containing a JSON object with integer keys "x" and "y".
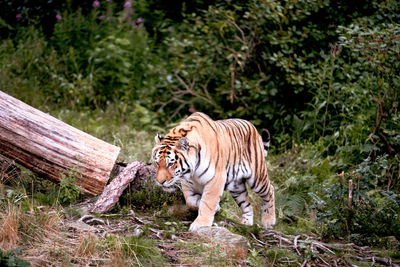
{"x": 209, "y": 202}
{"x": 192, "y": 197}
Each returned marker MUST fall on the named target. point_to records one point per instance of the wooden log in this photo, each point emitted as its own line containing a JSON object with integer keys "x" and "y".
{"x": 134, "y": 173}
{"x": 50, "y": 147}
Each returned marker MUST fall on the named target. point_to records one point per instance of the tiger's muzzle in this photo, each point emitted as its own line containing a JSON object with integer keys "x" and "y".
{"x": 166, "y": 180}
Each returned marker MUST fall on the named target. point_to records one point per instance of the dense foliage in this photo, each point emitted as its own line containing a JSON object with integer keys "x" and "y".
{"x": 322, "y": 75}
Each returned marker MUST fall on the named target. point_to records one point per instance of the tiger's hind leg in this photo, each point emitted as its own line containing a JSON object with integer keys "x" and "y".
{"x": 266, "y": 192}
{"x": 241, "y": 196}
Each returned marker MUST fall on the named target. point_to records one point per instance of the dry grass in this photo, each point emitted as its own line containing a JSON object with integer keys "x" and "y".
{"x": 200, "y": 251}
{"x": 117, "y": 257}
{"x": 8, "y": 170}
{"x": 28, "y": 228}
{"x": 87, "y": 245}
{"x": 9, "y": 235}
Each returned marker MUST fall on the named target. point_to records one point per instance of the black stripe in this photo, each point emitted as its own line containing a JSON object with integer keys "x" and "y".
{"x": 199, "y": 157}
{"x": 255, "y": 159}
{"x": 262, "y": 189}
{"x": 265, "y": 194}
{"x": 206, "y": 120}
{"x": 265, "y": 135}
{"x": 192, "y": 119}
{"x": 217, "y": 160}
{"x": 249, "y": 146}
{"x": 169, "y": 138}
{"x": 241, "y": 202}
{"x": 238, "y": 193}
{"x": 205, "y": 169}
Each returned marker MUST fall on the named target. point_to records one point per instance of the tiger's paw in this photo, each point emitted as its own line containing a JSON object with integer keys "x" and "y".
{"x": 194, "y": 227}
{"x": 247, "y": 221}
{"x": 269, "y": 222}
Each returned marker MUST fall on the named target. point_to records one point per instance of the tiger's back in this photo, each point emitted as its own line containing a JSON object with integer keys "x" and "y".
{"x": 212, "y": 156}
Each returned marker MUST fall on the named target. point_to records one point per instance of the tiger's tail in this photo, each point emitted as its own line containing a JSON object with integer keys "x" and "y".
{"x": 266, "y": 137}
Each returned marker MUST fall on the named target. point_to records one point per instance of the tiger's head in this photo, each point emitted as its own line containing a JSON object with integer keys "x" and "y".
{"x": 169, "y": 157}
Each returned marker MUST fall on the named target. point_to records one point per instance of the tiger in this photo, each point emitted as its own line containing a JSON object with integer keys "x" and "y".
{"x": 209, "y": 157}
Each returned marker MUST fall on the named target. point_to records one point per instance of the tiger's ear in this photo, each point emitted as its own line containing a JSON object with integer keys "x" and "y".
{"x": 183, "y": 143}
{"x": 158, "y": 138}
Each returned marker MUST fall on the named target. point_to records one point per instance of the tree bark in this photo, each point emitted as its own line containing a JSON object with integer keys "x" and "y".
{"x": 50, "y": 147}
{"x": 134, "y": 173}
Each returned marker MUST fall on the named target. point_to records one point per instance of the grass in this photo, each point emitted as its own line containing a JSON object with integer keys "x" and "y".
{"x": 281, "y": 256}
{"x": 9, "y": 235}
{"x": 205, "y": 252}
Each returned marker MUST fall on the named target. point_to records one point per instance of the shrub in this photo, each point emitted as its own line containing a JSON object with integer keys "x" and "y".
{"x": 252, "y": 60}
{"x": 374, "y": 211}
{"x": 11, "y": 259}
{"x": 69, "y": 192}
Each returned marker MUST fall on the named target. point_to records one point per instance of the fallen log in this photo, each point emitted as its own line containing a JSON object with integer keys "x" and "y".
{"x": 133, "y": 173}
{"x": 50, "y": 147}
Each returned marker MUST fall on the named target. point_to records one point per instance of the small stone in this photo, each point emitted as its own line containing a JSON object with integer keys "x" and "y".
{"x": 138, "y": 231}
{"x": 81, "y": 226}
{"x": 224, "y": 236}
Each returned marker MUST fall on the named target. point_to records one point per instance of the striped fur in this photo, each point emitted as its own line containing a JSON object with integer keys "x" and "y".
{"x": 207, "y": 157}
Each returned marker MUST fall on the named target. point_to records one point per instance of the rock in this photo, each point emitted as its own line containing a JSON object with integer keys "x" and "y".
{"x": 224, "y": 236}
{"x": 81, "y": 226}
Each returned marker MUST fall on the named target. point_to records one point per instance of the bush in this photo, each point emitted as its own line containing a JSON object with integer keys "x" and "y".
{"x": 117, "y": 62}
{"x": 252, "y": 60}
{"x": 10, "y": 259}
{"x": 69, "y": 192}
{"x": 374, "y": 211}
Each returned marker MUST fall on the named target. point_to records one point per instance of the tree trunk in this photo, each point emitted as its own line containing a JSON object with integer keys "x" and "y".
{"x": 134, "y": 173}
{"x": 50, "y": 147}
